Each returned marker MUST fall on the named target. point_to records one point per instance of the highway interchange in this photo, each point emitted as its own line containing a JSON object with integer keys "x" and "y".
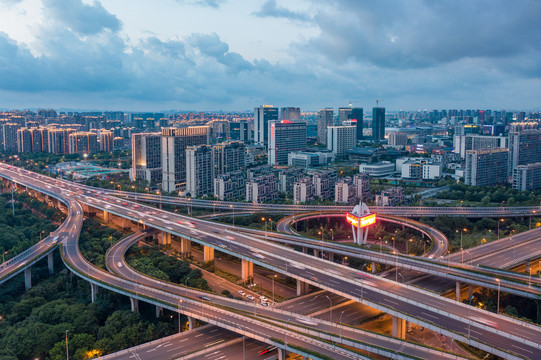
{"x": 486, "y": 330}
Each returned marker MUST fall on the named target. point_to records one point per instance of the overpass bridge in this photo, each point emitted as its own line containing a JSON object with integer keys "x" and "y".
{"x": 396, "y": 299}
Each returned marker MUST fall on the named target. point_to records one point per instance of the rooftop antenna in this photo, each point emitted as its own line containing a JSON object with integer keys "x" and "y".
{"x": 377, "y": 102}
{"x": 351, "y": 103}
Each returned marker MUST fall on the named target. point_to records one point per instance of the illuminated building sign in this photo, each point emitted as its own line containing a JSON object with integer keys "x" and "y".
{"x": 364, "y": 221}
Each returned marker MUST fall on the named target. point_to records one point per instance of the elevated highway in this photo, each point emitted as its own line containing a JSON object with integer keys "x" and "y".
{"x": 479, "y": 328}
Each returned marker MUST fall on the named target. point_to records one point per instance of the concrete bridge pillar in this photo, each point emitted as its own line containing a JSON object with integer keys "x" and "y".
{"x": 331, "y": 256}
{"x": 305, "y": 250}
{"x": 106, "y": 216}
{"x": 50, "y": 263}
{"x": 316, "y": 253}
{"x": 470, "y": 291}
{"x": 528, "y": 267}
{"x": 373, "y": 267}
{"x": 191, "y": 323}
{"x": 457, "y": 291}
{"x": 165, "y": 239}
{"x": 185, "y": 247}
{"x": 302, "y": 287}
{"x": 159, "y": 311}
{"x": 282, "y": 354}
{"x": 247, "y": 270}
{"x": 399, "y": 327}
{"x": 93, "y": 292}
{"x": 28, "y": 278}
{"x": 208, "y": 254}
{"x": 134, "y": 305}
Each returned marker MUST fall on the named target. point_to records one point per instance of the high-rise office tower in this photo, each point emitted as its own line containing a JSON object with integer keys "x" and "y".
{"x": 358, "y": 116}
{"x": 58, "y": 142}
{"x": 174, "y": 144}
{"x": 83, "y": 142}
{"x": 285, "y": 137}
{"x": 199, "y": 170}
{"x": 340, "y": 139}
{"x": 10, "y": 136}
{"x": 146, "y": 157}
{"x": 486, "y": 167}
{"x": 325, "y": 118}
{"x": 262, "y": 115}
{"x": 106, "y": 140}
{"x": 344, "y": 114}
{"x": 527, "y": 177}
{"x": 228, "y": 157}
{"x": 378, "y": 123}
{"x": 524, "y": 148}
{"x": 240, "y": 131}
{"x": 291, "y": 114}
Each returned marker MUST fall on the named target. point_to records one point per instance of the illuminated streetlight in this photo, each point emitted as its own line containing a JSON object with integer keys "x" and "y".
{"x": 498, "y": 307}
{"x": 85, "y": 155}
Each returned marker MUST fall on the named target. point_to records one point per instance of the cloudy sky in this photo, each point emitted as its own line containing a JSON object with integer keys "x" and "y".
{"x": 234, "y": 55}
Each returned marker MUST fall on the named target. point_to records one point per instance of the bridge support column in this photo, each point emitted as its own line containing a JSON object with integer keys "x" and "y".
{"x": 185, "y": 247}
{"x": 165, "y": 239}
{"x": 134, "y": 305}
{"x": 457, "y": 291}
{"x": 373, "y": 267}
{"x": 305, "y": 250}
{"x": 281, "y": 354}
{"x": 106, "y": 216}
{"x": 538, "y": 303}
{"x": 28, "y": 278}
{"x": 159, "y": 311}
{"x": 93, "y": 292}
{"x": 208, "y": 254}
{"x": 302, "y": 287}
{"x": 316, "y": 253}
{"x": 528, "y": 267}
{"x": 247, "y": 270}
{"x": 331, "y": 256}
{"x": 399, "y": 327}
{"x": 50, "y": 263}
{"x": 191, "y": 323}
{"x": 470, "y": 291}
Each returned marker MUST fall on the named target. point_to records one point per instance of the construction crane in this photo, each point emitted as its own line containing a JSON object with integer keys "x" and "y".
{"x": 377, "y": 102}
{"x": 351, "y": 103}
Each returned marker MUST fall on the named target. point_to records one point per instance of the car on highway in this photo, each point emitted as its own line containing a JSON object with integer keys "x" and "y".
{"x": 119, "y": 264}
{"x": 240, "y": 292}
{"x": 264, "y": 303}
{"x": 223, "y": 246}
{"x": 205, "y": 297}
{"x": 258, "y": 255}
{"x": 250, "y": 297}
{"x": 262, "y": 298}
{"x": 267, "y": 350}
{"x": 306, "y": 321}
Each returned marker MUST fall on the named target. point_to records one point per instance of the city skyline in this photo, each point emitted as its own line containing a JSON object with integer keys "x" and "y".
{"x": 216, "y": 55}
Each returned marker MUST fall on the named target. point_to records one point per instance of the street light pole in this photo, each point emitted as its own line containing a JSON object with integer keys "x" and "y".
{"x": 273, "y": 286}
{"x": 67, "y": 352}
{"x": 243, "y": 344}
{"x": 469, "y": 315}
{"x": 341, "y": 325}
{"x": 179, "y": 301}
{"x": 498, "y": 307}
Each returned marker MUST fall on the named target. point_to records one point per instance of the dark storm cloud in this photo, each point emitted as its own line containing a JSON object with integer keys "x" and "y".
{"x": 271, "y": 9}
{"x": 81, "y": 18}
{"x": 415, "y": 34}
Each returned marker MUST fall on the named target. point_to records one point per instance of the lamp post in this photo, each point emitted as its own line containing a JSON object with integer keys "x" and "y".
{"x": 85, "y": 155}
{"x": 502, "y": 220}
{"x": 274, "y": 277}
{"x": 179, "y": 301}
{"x": 462, "y": 248}
{"x": 3, "y": 255}
{"x": 158, "y": 192}
{"x": 330, "y": 306}
{"x": 469, "y": 316}
{"x": 498, "y": 306}
{"x": 41, "y": 233}
{"x": 285, "y": 340}
{"x": 533, "y": 212}
{"x": 332, "y": 235}
{"x": 231, "y": 206}
{"x": 67, "y": 352}
{"x": 341, "y": 325}
{"x": 402, "y": 276}
{"x": 265, "y": 220}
